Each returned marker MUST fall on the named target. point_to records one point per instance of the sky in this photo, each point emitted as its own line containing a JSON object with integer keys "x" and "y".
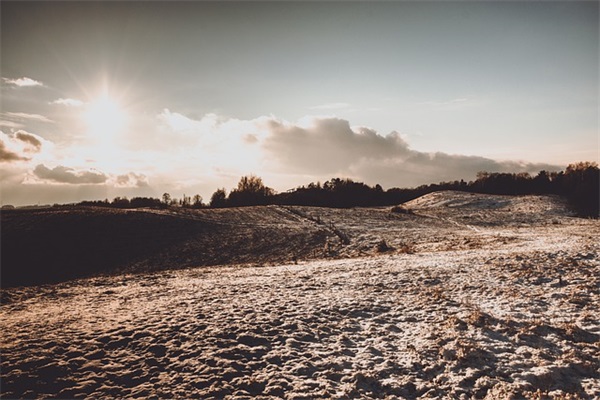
{"x": 106, "y": 99}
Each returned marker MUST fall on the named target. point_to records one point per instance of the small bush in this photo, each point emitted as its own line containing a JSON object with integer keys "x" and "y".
{"x": 401, "y": 210}
{"x": 382, "y": 246}
{"x": 407, "y": 248}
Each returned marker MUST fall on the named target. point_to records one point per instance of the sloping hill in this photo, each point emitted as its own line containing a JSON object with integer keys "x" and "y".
{"x": 51, "y": 245}
{"x": 491, "y": 210}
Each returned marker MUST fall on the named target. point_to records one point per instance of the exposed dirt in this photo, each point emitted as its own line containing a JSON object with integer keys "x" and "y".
{"x": 471, "y": 297}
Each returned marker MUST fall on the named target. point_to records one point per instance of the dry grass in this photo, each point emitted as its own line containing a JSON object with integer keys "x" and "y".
{"x": 486, "y": 319}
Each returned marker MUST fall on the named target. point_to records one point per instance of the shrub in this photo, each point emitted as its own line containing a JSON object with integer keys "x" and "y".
{"x": 407, "y": 248}
{"x": 382, "y": 246}
{"x": 401, "y": 210}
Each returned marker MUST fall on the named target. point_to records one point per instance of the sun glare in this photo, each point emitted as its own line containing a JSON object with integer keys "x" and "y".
{"x": 105, "y": 119}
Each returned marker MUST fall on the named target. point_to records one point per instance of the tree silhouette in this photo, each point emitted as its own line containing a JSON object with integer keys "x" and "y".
{"x": 197, "y": 201}
{"x": 581, "y": 185}
{"x": 219, "y": 198}
{"x": 120, "y": 202}
{"x": 186, "y": 201}
{"x": 138, "y": 202}
{"x": 542, "y": 183}
{"x": 250, "y": 191}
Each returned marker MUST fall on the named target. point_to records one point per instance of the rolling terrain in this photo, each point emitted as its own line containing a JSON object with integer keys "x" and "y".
{"x": 456, "y": 296}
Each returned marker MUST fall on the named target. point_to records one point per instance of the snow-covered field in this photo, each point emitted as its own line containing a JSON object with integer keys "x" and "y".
{"x": 472, "y": 296}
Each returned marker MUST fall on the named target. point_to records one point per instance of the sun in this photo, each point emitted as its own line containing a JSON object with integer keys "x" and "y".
{"x": 105, "y": 119}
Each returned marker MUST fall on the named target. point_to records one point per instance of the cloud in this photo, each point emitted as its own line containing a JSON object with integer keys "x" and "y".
{"x": 30, "y": 139}
{"x": 180, "y": 123}
{"x": 23, "y": 82}
{"x": 250, "y": 138}
{"x": 330, "y": 106}
{"x": 11, "y": 124}
{"x": 328, "y": 145}
{"x": 131, "y": 180}
{"x": 169, "y": 131}
{"x": 312, "y": 148}
{"x": 211, "y": 141}
{"x": 62, "y": 174}
{"x": 23, "y": 116}
{"x": 68, "y": 102}
{"x": 185, "y": 155}
{"x": 331, "y": 147}
{"x": 423, "y": 168}
{"x": 7, "y": 155}
{"x": 14, "y": 147}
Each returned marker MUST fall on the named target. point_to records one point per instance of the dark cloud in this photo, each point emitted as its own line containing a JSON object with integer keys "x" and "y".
{"x": 423, "y": 168}
{"x": 131, "y": 180}
{"x": 250, "y": 138}
{"x": 13, "y": 146}
{"x": 63, "y": 174}
{"x": 330, "y": 146}
{"x": 8, "y": 156}
{"x": 29, "y": 138}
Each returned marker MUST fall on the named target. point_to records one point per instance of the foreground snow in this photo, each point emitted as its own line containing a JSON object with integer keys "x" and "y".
{"x": 498, "y": 311}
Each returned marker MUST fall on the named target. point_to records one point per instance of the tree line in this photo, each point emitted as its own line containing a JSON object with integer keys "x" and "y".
{"x": 139, "y": 202}
{"x": 578, "y": 183}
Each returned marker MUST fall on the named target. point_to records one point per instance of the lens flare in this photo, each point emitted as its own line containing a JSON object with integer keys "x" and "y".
{"x": 104, "y": 119}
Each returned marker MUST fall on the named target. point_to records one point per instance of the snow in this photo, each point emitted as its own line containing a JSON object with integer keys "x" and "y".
{"x": 506, "y": 310}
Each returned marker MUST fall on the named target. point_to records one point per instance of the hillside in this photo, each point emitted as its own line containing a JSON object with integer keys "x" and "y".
{"x": 475, "y": 296}
{"x": 492, "y": 210}
{"x": 52, "y": 245}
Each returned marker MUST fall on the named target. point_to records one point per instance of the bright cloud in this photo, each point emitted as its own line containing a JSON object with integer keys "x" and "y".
{"x": 23, "y": 82}
{"x": 7, "y": 155}
{"x": 182, "y": 124}
{"x": 312, "y": 148}
{"x": 68, "y": 102}
{"x": 180, "y": 154}
{"x": 202, "y": 145}
{"x": 11, "y": 124}
{"x": 26, "y": 116}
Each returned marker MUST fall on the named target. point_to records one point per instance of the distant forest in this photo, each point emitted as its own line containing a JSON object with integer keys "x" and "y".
{"x": 579, "y": 184}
